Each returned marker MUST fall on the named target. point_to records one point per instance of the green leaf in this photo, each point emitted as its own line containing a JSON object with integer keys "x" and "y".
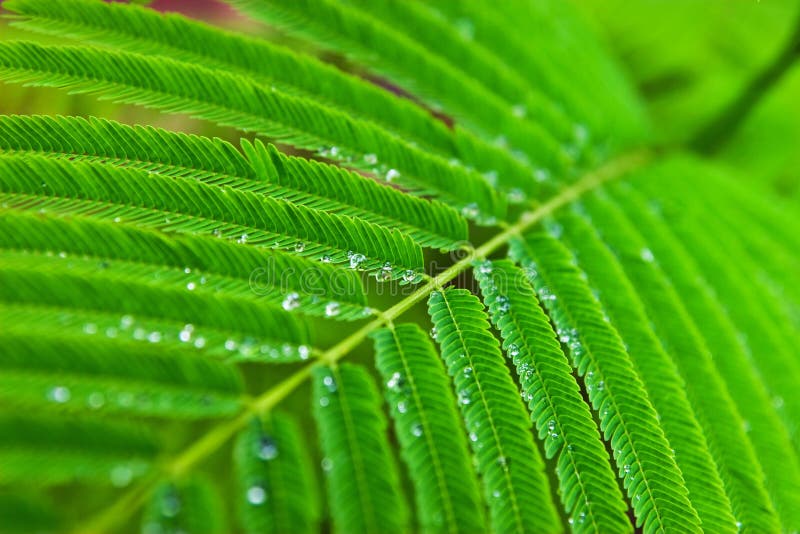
{"x": 80, "y": 374}
{"x": 628, "y": 420}
{"x": 232, "y": 100}
{"x": 192, "y": 505}
{"x": 43, "y": 451}
{"x": 512, "y": 470}
{"x": 175, "y": 262}
{"x": 587, "y": 486}
{"x": 711, "y": 401}
{"x": 276, "y": 490}
{"x": 432, "y": 439}
{"x": 363, "y": 483}
{"x": 186, "y": 206}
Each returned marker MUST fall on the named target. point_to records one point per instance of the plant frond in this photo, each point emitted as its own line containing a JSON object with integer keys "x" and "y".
{"x": 83, "y": 374}
{"x": 711, "y": 401}
{"x": 509, "y": 463}
{"x": 430, "y": 433}
{"x": 191, "y": 505}
{"x": 717, "y": 291}
{"x": 659, "y": 375}
{"x": 275, "y": 482}
{"x": 143, "y": 31}
{"x": 412, "y": 66}
{"x": 363, "y": 483}
{"x": 38, "y": 450}
{"x": 186, "y": 261}
{"x": 587, "y": 486}
{"x": 187, "y": 206}
{"x": 264, "y": 171}
{"x": 22, "y": 512}
{"x": 653, "y": 480}
{"x": 232, "y": 100}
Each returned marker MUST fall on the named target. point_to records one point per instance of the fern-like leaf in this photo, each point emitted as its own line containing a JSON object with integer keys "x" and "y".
{"x": 431, "y": 437}
{"x": 276, "y": 487}
{"x": 190, "y": 207}
{"x": 587, "y": 485}
{"x": 192, "y": 505}
{"x": 650, "y": 474}
{"x": 45, "y": 450}
{"x": 228, "y": 99}
{"x": 508, "y": 461}
{"x": 363, "y": 484}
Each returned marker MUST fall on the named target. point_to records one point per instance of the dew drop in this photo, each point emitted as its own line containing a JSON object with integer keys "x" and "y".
{"x": 516, "y": 196}
{"x": 126, "y": 321}
{"x": 95, "y": 400}
{"x": 626, "y": 468}
{"x": 370, "y": 159}
{"x": 332, "y": 309}
{"x": 303, "y": 351}
{"x": 325, "y": 259}
{"x": 519, "y": 111}
{"x": 121, "y": 476}
{"x": 267, "y": 448}
{"x": 470, "y": 211}
{"x": 90, "y": 328}
{"x": 416, "y": 430}
{"x": 299, "y": 247}
{"x": 463, "y": 398}
{"x": 191, "y": 286}
{"x": 356, "y": 260}
{"x": 502, "y": 303}
{"x": 392, "y": 174}
{"x": 324, "y": 401}
{"x": 154, "y": 337}
{"x": 230, "y": 344}
{"x": 327, "y": 464}
{"x": 473, "y": 436}
{"x": 329, "y": 383}
{"x": 242, "y": 239}
{"x": 647, "y": 255}
{"x": 409, "y": 276}
{"x": 60, "y": 394}
{"x": 291, "y": 302}
{"x": 200, "y": 342}
{"x": 513, "y": 350}
{"x": 395, "y": 382}
{"x": 256, "y": 495}
{"x": 496, "y": 494}
{"x": 467, "y": 371}
{"x": 402, "y": 407}
{"x": 485, "y": 267}
{"x": 434, "y": 332}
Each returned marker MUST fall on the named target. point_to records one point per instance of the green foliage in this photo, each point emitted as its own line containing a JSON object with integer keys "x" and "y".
{"x": 276, "y": 488}
{"x": 175, "y": 289}
{"x": 508, "y": 461}
{"x": 431, "y": 438}
{"x": 363, "y": 485}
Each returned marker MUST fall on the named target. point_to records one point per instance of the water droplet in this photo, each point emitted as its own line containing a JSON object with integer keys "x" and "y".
{"x": 324, "y": 401}
{"x": 117, "y": 219}
{"x": 473, "y": 436}
{"x": 267, "y": 448}
{"x": 90, "y": 328}
{"x": 256, "y": 495}
{"x": 191, "y": 286}
{"x": 519, "y": 111}
{"x": 392, "y": 174}
{"x": 626, "y": 468}
{"x": 434, "y": 332}
{"x": 325, "y": 259}
{"x": 571, "y": 521}
{"x": 200, "y": 342}
{"x": 329, "y": 383}
{"x": 216, "y": 232}
{"x": 327, "y": 464}
{"x": 126, "y": 321}
{"x": 513, "y": 350}
{"x": 356, "y": 260}
{"x": 121, "y": 476}
{"x": 463, "y": 397}
{"x": 332, "y": 309}
{"x": 541, "y": 175}
{"x": 470, "y": 211}
{"x": 242, "y": 239}
{"x": 230, "y": 344}
{"x": 385, "y": 273}
{"x": 291, "y": 302}
{"x": 491, "y": 177}
{"x": 647, "y": 255}
{"x": 395, "y": 383}
{"x": 496, "y": 494}
{"x": 501, "y": 460}
{"x": 409, "y": 276}
{"x": 485, "y": 267}
{"x": 185, "y": 335}
{"x": 402, "y": 407}
{"x": 303, "y": 351}
{"x": 467, "y": 371}
{"x": 370, "y": 159}
{"x": 187, "y": 270}
{"x": 777, "y": 402}
{"x": 502, "y": 303}
{"x": 154, "y": 337}
{"x": 60, "y": 394}
{"x": 95, "y": 400}
{"x": 416, "y": 430}
{"x": 466, "y": 28}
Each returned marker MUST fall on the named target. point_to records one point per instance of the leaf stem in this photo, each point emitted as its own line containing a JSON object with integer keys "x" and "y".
{"x": 721, "y": 129}
{"x": 219, "y": 435}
